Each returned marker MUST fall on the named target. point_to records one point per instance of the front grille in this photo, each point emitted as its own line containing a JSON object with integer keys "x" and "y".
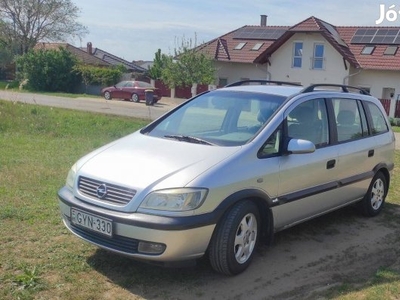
{"x": 115, "y": 194}
{"x": 117, "y": 242}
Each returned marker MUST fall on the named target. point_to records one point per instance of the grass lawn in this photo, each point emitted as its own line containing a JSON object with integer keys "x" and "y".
{"x": 39, "y": 258}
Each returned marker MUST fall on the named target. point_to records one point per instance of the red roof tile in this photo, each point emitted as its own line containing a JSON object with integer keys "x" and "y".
{"x": 223, "y": 48}
{"x": 229, "y": 42}
{"x": 81, "y": 55}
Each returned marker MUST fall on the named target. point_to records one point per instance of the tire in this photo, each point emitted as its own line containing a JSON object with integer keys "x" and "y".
{"x": 235, "y": 239}
{"x": 107, "y": 95}
{"x": 135, "y": 98}
{"x": 374, "y": 199}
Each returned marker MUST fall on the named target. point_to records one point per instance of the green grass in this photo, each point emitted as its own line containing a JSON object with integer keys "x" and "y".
{"x": 40, "y": 259}
{"x": 15, "y": 87}
{"x": 396, "y": 128}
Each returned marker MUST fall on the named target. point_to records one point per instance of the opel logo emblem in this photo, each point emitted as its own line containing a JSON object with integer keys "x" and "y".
{"x": 102, "y": 191}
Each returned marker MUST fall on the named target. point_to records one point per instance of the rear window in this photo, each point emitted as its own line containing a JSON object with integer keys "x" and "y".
{"x": 379, "y": 124}
{"x": 223, "y": 118}
{"x": 144, "y": 84}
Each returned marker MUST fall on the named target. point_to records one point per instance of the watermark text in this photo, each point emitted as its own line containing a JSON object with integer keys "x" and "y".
{"x": 391, "y": 14}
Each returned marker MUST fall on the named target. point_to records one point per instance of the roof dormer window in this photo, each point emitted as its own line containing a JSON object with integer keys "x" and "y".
{"x": 391, "y": 50}
{"x": 240, "y": 46}
{"x": 368, "y": 50}
{"x": 257, "y": 46}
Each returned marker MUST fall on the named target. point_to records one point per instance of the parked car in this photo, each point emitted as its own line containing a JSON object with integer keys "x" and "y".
{"x": 132, "y": 90}
{"x": 227, "y": 169}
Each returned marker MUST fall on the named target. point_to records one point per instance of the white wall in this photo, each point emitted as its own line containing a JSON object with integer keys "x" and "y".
{"x": 281, "y": 62}
{"x": 378, "y": 81}
{"x": 235, "y": 71}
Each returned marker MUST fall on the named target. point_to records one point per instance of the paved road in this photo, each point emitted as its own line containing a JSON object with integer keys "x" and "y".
{"x": 99, "y": 104}
{"x": 96, "y": 104}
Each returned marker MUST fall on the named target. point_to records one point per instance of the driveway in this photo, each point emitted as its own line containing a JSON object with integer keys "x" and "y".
{"x": 100, "y": 105}
{"x": 96, "y": 104}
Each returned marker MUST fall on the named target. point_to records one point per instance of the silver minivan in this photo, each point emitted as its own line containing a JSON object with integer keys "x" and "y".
{"x": 227, "y": 169}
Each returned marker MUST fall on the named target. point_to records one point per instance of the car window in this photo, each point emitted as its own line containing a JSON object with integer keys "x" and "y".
{"x": 272, "y": 145}
{"x": 143, "y": 84}
{"x": 223, "y": 118}
{"x": 129, "y": 84}
{"x": 349, "y": 123}
{"x": 379, "y": 124}
{"x": 309, "y": 121}
{"x": 120, "y": 84}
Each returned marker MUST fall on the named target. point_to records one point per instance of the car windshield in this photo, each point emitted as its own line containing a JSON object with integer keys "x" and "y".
{"x": 224, "y": 118}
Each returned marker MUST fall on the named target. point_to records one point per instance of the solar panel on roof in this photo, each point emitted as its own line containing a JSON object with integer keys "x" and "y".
{"x": 259, "y": 33}
{"x": 386, "y": 36}
{"x": 334, "y": 34}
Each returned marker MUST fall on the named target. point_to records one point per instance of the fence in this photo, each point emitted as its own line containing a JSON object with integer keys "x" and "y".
{"x": 386, "y": 106}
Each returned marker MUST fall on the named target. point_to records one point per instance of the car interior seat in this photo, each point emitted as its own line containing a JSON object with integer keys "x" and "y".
{"x": 307, "y": 126}
{"x": 346, "y": 127}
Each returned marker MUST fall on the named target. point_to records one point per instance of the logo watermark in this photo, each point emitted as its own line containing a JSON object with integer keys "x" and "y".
{"x": 391, "y": 14}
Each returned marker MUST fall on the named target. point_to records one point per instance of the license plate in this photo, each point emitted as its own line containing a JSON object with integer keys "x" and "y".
{"x": 91, "y": 222}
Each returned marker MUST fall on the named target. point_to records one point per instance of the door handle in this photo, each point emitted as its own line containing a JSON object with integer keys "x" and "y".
{"x": 371, "y": 153}
{"x": 331, "y": 164}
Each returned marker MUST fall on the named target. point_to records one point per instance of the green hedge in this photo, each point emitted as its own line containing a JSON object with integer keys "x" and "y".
{"x": 92, "y": 75}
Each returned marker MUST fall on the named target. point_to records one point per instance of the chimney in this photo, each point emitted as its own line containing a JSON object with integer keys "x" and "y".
{"x": 89, "y": 48}
{"x": 263, "y": 20}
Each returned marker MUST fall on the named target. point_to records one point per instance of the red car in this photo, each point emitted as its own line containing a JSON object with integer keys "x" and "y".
{"x": 132, "y": 90}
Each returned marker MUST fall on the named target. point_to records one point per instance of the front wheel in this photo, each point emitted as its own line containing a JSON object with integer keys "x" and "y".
{"x": 374, "y": 199}
{"x": 135, "y": 97}
{"x": 107, "y": 95}
{"x": 234, "y": 241}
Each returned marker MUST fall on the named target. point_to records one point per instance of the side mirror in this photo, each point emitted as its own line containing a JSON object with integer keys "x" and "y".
{"x": 297, "y": 146}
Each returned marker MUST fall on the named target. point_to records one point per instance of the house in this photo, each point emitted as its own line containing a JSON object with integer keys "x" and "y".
{"x": 312, "y": 51}
{"x": 112, "y": 59}
{"x": 146, "y": 64}
{"x": 81, "y": 55}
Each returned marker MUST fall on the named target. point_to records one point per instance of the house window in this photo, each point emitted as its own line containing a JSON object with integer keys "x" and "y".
{"x": 318, "y": 58}
{"x": 222, "y": 82}
{"x": 368, "y": 50}
{"x": 257, "y": 46}
{"x": 390, "y": 50}
{"x": 297, "y": 54}
{"x": 240, "y": 46}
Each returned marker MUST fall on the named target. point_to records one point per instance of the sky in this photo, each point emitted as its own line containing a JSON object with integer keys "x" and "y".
{"x": 135, "y": 30}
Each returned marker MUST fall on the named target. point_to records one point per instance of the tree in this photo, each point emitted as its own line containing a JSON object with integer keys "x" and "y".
{"x": 49, "y": 70}
{"x": 186, "y": 68}
{"x": 159, "y": 64}
{"x": 24, "y": 23}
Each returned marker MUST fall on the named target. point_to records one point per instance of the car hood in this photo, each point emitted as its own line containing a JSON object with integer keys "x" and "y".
{"x": 145, "y": 163}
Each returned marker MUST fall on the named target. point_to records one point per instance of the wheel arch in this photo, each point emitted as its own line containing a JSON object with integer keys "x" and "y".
{"x": 385, "y": 170}
{"x": 263, "y": 203}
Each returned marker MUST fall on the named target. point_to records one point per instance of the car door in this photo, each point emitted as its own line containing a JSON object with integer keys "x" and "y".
{"x": 357, "y": 151}
{"x": 307, "y": 182}
{"x": 119, "y": 90}
{"x": 127, "y": 90}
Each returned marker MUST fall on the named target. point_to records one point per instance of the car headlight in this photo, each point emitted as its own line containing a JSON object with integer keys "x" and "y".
{"x": 175, "y": 199}
{"x": 71, "y": 177}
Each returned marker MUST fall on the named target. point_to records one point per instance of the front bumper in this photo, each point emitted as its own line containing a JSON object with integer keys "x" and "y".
{"x": 185, "y": 238}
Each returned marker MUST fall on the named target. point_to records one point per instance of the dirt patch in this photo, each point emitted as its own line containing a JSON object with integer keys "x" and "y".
{"x": 305, "y": 261}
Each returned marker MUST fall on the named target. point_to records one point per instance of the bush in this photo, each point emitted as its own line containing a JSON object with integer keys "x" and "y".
{"x": 394, "y": 121}
{"x": 92, "y": 75}
{"x": 49, "y": 70}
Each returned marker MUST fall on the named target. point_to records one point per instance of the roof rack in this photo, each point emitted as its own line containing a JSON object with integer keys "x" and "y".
{"x": 261, "y": 81}
{"x": 345, "y": 88}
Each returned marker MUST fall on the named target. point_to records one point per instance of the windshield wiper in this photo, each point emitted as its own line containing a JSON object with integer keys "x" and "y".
{"x": 189, "y": 139}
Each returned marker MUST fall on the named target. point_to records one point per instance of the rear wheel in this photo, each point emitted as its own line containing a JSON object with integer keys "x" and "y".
{"x": 107, "y": 95}
{"x": 135, "y": 97}
{"x": 374, "y": 199}
{"x": 235, "y": 239}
